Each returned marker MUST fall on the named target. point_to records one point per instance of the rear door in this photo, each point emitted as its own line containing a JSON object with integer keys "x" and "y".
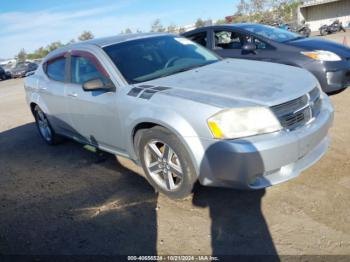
{"x": 93, "y": 113}
{"x": 51, "y": 87}
{"x": 200, "y": 37}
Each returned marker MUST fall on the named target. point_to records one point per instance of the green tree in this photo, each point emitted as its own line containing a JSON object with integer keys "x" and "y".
{"x": 39, "y": 53}
{"x": 266, "y": 11}
{"x": 53, "y": 46}
{"x": 220, "y": 22}
{"x": 172, "y": 28}
{"x": 128, "y": 31}
{"x": 199, "y": 23}
{"x": 182, "y": 30}
{"x": 86, "y": 35}
{"x": 157, "y": 26}
{"x": 21, "y": 56}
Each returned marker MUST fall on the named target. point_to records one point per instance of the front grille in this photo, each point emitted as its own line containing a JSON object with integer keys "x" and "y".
{"x": 300, "y": 111}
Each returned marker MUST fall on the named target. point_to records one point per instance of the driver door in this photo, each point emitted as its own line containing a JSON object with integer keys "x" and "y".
{"x": 94, "y": 114}
{"x": 229, "y": 44}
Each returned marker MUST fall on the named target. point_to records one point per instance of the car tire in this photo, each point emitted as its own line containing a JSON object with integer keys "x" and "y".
{"x": 166, "y": 162}
{"x": 45, "y": 129}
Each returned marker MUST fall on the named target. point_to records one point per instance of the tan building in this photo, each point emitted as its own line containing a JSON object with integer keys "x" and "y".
{"x": 319, "y": 12}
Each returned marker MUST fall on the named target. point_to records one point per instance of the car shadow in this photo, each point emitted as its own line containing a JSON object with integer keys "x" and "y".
{"x": 238, "y": 226}
{"x": 66, "y": 200}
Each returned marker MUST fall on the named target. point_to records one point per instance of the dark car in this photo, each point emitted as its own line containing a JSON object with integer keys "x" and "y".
{"x": 22, "y": 69}
{"x": 328, "y": 61}
{"x": 3, "y": 75}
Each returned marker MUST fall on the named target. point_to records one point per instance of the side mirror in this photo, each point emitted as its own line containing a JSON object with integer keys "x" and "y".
{"x": 98, "y": 85}
{"x": 249, "y": 48}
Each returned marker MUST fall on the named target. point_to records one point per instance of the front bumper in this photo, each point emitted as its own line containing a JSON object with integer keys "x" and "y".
{"x": 265, "y": 160}
{"x": 333, "y": 76}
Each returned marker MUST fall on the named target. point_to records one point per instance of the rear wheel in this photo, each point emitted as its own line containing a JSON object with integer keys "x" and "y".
{"x": 44, "y": 127}
{"x": 166, "y": 162}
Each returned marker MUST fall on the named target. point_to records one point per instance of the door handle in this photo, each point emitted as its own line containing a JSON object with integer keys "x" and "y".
{"x": 73, "y": 94}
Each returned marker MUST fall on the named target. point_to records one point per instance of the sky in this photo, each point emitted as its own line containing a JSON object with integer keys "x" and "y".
{"x": 31, "y": 24}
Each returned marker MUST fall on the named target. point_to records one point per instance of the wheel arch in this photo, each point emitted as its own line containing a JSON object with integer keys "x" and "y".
{"x": 32, "y": 106}
{"x": 190, "y": 143}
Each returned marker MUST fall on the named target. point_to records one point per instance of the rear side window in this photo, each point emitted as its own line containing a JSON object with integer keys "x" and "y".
{"x": 55, "y": 69}
{"x": 199, "y": 38}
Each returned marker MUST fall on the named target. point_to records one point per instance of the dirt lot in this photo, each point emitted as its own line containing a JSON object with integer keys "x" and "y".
{"x": 68, "y": 200}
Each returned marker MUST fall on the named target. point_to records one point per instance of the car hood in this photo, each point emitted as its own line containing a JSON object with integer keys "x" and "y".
{"x": 315, "y": 43}
{"x": 237, "y": 80}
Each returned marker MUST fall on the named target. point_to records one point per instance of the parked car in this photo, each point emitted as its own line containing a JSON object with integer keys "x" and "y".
{"x": 22, "y": 69}
{"x": 327, "y": 60}
{"x": 181, "y": 112}
{"x": 334, "y": 27}
{"x": 3, "y": 74}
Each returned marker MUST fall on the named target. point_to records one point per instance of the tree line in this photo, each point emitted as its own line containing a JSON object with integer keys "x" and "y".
{"x": 257, "y": 11}
{"x": 44, "y": 51}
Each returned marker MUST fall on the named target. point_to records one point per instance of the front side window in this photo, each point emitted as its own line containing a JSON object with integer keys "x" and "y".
{"x": 235, "y": 40}
{"x": 83, "y": 70}
{"x": 55, "y": 69}
{"x": 228, "y": 40}
{"x": 146, "y": 59}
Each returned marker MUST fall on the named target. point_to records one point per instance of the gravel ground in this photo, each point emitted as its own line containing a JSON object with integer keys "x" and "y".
{"x": 70, "y": 200}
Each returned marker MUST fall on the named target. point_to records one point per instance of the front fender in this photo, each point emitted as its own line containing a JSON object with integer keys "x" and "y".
{"x": 172, "y": 121}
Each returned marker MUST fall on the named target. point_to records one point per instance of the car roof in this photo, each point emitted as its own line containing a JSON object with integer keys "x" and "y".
{"x": 238, "y": 25}
{"x": 105, "y": 41}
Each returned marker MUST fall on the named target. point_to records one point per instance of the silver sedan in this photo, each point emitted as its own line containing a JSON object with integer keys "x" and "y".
{"x": 182, "y": 112}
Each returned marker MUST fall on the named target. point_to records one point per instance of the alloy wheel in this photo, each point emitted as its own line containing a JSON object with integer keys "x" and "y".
{"x": 163, "y": 165}
{"x": 44, "y": 126}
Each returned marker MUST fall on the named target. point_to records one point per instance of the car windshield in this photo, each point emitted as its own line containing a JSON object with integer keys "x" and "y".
{"x": 146, "y": 59}
{"x": 273, "y": 33}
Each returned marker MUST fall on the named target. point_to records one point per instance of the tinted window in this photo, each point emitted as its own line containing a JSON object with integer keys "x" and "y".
{"x": 83, "y": 70}
{"x": 199, "y": 38}
{"x": 272, "y": 33}
{"x": 145, "y": 59}
{"x": 55, "y": 69}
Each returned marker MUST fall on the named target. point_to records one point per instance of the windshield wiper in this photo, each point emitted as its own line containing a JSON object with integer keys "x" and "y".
{"x": 175, "y": 71}
{"x": 186, "y": 69}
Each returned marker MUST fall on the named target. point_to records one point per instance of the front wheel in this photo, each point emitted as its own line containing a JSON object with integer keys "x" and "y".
{"x": 166, "y": 163}
{"x": 44, "y": 127}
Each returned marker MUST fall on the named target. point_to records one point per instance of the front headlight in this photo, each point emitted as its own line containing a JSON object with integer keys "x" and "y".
{"x": 322, "y": 55}
{"x": 243, "y": 122}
